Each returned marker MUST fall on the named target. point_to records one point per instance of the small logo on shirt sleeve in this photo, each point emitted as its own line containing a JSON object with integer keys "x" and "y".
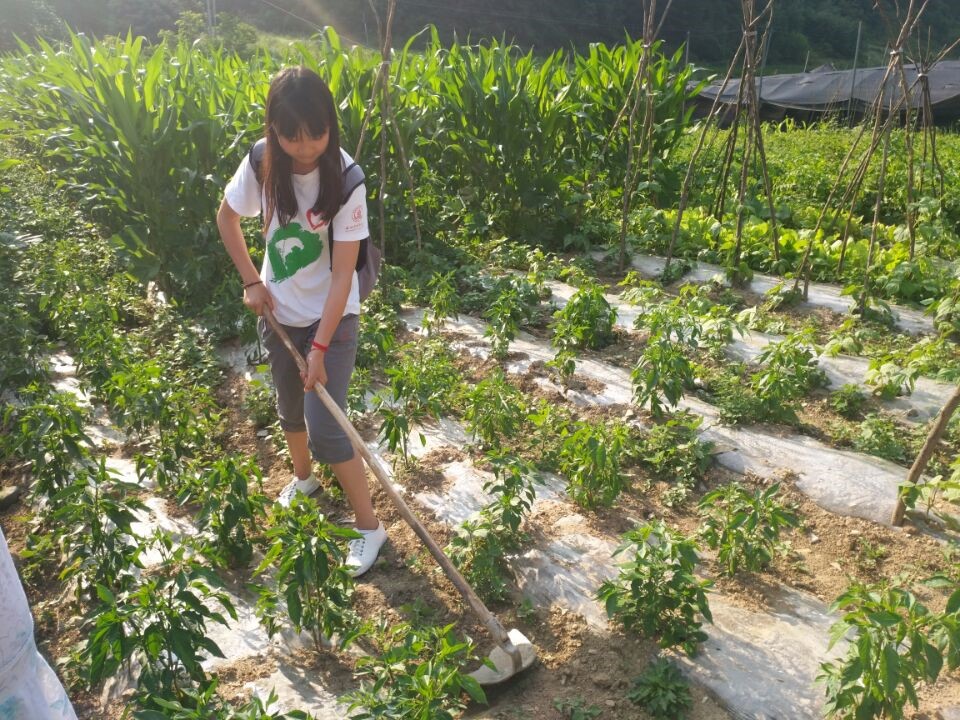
{"x": 356, "y": 218}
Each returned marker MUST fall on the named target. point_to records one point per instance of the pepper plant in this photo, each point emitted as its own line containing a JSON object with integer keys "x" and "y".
{"x": 586, "y": 321}
{"x": 743, "y": 527}
{"x": 444, "y": 301}
{"x": 47, "y": 432}
{"x": 664, "y": 370}
{"x": 672, "y": 452}
{"x": 310, "y": 583}
{"x": 656, "y": 592}
{"x": 592, "y": 458}
{"x": 418, "y": 673}
{"x": 480, "y": 544}
{"x": 495, "y": 410}
{"x": 513, "y": 304}
{"x": 159, "y": 625}
{"x": 93, "y": 518}
{"x": 205, "y": 704}
{"x": 228, "y": 508}
{"x": 896, "y": 642}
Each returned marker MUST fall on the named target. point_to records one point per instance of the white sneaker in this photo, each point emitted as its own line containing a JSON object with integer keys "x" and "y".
{"x": 363, "y": 550}
{"x": 307, "y": 486}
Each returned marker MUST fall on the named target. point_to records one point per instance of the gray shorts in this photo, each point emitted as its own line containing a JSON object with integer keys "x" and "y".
{"x": 301, "y": 411}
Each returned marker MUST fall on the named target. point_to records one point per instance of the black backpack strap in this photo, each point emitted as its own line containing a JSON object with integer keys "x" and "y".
{"x": 353, "y": 178}
{"x": 256, "y": 153}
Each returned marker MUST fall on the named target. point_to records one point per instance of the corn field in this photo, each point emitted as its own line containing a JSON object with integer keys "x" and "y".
{"x": 496, "y": 140}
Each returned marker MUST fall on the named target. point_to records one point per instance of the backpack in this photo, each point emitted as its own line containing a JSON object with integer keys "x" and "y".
{"x": 369, "y": 258}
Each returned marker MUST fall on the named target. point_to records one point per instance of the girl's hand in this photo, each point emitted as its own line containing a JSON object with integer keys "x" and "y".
{"x": 256, "y": 297}
{"x": 316, "y": 371}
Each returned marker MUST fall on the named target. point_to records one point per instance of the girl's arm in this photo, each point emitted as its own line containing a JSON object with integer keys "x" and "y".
{"x": 344, "y": 263}
{"x": 256, "y": 295}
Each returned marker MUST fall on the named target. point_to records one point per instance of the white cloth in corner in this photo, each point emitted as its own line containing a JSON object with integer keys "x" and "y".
{"x": 29, "y": 689}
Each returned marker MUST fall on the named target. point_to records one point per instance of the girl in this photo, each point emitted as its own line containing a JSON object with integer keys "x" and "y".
{"x": 295, "y": 176}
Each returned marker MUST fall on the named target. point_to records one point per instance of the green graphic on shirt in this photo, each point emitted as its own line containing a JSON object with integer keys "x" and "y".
{"x": 291, "y": 249}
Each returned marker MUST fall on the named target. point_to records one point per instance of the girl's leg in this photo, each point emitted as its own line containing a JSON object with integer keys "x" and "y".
{"x": 328, "y": 442}
{"x": 298, "y": 446}
{"x": 353, "y": 479}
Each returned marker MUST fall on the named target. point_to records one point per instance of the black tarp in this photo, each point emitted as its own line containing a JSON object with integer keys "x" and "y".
{"x": 826, "y": 90}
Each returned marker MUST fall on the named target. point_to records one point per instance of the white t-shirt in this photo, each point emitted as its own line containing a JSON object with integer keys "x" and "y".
{"x": 296, "y": 265}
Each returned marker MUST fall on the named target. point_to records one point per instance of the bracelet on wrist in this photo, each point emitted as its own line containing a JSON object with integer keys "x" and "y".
{"x": 251, "y": 284}
{"x": 318, "y": 346}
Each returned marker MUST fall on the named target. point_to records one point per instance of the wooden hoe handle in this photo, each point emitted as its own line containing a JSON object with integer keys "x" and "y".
{"x": 494, "y": 626}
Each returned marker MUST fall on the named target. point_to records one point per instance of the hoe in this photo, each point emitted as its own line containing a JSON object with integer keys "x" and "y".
{"x": 513, "y": 652}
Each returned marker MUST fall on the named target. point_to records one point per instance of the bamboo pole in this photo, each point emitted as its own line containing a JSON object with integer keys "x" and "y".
{"x": 923, "y": 459}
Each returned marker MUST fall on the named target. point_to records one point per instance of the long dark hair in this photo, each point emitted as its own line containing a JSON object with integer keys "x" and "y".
{"x": 300, "y": 101}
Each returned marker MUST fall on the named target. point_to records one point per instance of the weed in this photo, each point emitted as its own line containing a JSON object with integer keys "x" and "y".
{"x": 880, "y": 436}
{"x": 662, "y": 691}
{"x": 576, "y": 708}
{"x": 869, "y": 555}
{"x": 848, "y": 401}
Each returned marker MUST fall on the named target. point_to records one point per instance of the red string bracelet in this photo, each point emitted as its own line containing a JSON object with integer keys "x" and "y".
{"x": 317, "y": 346}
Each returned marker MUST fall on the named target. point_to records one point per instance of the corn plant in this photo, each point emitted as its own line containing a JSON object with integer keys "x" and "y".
{"x": 591, "y": 458}
{"x": 743, "y": 527}
{"x": 418, "y": 673}
{"x": 495, "y": 410}
{"x": 310, "y": 583}
{"x": 130, "y": 133}
{"x": 662, "y": 691}
{"x": 159, "y": 625}
{"x": 228, "y": 507}
{"x": 896, "y": 642}
{"x": 656, "y": 592}
{"x": 586, "y": 321}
